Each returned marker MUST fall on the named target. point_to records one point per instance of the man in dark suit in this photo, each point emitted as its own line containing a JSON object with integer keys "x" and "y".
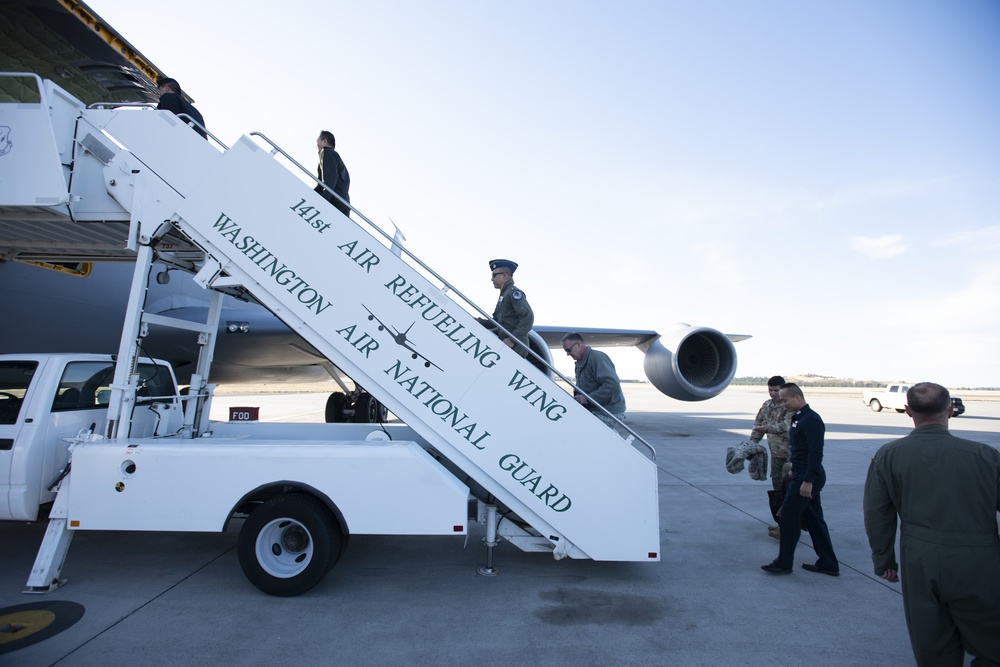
{"x": 802, "y": 502}
{"x": 946, "y": 492}
{"x": 333, "y": 173}
{"x": 172, "y": 99}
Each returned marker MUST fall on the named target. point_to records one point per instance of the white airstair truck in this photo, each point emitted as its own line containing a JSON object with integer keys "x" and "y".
{"x": 487, "y": 436}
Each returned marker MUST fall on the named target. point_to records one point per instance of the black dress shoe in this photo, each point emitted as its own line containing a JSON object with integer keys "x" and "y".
{"x": 774, "y": 569}
{"x": 815, "y": 568}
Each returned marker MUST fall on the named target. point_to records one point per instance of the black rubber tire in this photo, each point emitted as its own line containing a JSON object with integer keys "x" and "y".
{"x": 335, "y": 408}
{"x": 367, "y": 410}
{"x": 875, "y": 405}
{"x": 345, "y": 539}
{"x": 288, "y": 544}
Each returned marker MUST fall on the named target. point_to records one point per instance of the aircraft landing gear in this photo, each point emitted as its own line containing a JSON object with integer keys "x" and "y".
{"x": 335, "y": 407}
{"x": 358, "y": 406}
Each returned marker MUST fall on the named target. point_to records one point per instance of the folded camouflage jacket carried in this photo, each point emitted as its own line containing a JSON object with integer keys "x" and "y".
{"x": 755, "y": 452}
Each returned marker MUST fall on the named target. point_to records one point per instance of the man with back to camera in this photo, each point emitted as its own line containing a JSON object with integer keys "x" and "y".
{"x": 332, "y": 172}
{"x": 773, "y": 421}
{"x": 172, "y": 99}
{"x": 946, "y": 492}
{"x": 802, "y": 502}
{"x": 595, "y": 376}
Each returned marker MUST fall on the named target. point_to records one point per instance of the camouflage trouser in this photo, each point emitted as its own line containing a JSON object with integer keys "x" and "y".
{"x": 777, "y": 470}
{"x": 611, "y": 423}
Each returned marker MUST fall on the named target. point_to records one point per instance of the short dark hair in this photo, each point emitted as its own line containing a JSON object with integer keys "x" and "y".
{"x": 928, "y": 399}
{"x": 328, "y": 136}
{"x": 575, "y": 337}
{"x": 776, "y": 381}
{"x": 793, "y": 389}
{"x": 170, "y": 84}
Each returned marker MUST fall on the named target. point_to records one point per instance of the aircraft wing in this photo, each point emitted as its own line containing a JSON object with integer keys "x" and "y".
{"x": 597, "y": 337}
{"x": 68, "y": 42}
{"x": 610, "y": 337}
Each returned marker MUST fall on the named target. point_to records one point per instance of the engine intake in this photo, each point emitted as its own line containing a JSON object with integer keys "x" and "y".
{"x": 691, "y": 363}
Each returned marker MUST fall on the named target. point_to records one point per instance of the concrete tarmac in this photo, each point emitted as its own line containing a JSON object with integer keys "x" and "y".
{"x": 181, "y": 599}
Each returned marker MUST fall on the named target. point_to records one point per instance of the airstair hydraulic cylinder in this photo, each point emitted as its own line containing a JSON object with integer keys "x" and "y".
{"x": 490, "y": 541}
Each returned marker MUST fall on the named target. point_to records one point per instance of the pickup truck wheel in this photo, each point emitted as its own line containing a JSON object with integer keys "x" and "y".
{"x": 287, "y": 544}
{"x": 335, "y": 405}
{"x": 875, "y": 405}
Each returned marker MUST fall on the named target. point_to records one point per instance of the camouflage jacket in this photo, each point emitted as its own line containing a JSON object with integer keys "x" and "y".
{"x": 775, "y": 415}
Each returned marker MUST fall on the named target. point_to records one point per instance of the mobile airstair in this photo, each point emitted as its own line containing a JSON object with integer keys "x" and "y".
{"x": 242, "y": 222}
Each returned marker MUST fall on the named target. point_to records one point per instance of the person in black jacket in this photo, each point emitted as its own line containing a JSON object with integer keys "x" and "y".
{"x": 802, "y": 504}
{"x": 333, "y": 173}
{"x": 172, "y": 99}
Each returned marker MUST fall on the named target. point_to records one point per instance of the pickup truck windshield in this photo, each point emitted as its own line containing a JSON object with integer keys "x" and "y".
{"x": 86, "y": 385}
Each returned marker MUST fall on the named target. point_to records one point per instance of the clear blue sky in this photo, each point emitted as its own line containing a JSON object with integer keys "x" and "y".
{"x": 822, "y": 175}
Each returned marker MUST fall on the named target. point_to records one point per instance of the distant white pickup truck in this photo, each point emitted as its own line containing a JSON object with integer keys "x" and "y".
{"x": 894, "y": 396}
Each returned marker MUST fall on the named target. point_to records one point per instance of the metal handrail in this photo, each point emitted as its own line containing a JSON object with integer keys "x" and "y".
{"x": 451, "y": 288}
{"x": 192, "y": 121}
{"x": 116, "y": 105}
{"x": 187, "y": 118}
{"x": 31, "y": 75}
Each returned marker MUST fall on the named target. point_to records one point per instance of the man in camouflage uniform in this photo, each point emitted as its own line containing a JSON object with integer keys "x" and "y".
{"x": 773, "y": 421}
{"x": 512, "y": 312}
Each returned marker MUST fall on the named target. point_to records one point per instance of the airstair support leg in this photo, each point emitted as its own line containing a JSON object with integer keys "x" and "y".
{"x": 490, "y": 541}
{"x": 51, "y": 554}
{"x": 196, "y": 414}
{"x": 207, "y": 340}
{"x": 124, "y": 384}
{"x": 50, "y": 558}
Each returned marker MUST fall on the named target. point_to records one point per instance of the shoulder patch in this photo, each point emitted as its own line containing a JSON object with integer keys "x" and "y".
{"x": 517, "y": 295}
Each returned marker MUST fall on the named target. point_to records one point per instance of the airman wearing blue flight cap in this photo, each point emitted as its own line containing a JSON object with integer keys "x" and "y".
{"x": 512, "y": 312}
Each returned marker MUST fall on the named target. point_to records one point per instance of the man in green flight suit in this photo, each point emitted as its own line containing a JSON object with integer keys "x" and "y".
{"x": 512, "y": 312}
{"x": 946, "y": 492}
{"x": 596, "y": 377}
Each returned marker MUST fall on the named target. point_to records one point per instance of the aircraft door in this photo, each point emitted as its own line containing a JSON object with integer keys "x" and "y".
{"x": 28, "y": 137}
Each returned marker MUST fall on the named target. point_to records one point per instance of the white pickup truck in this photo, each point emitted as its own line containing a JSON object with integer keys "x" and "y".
{"x": 47, "y": 398}
{"x": 301, "y": 487}
{"x": 894, "y": 396}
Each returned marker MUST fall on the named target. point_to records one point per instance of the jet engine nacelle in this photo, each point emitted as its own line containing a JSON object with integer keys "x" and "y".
{"x": 538, "y": 346}
{"x": 691, "y": 363}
